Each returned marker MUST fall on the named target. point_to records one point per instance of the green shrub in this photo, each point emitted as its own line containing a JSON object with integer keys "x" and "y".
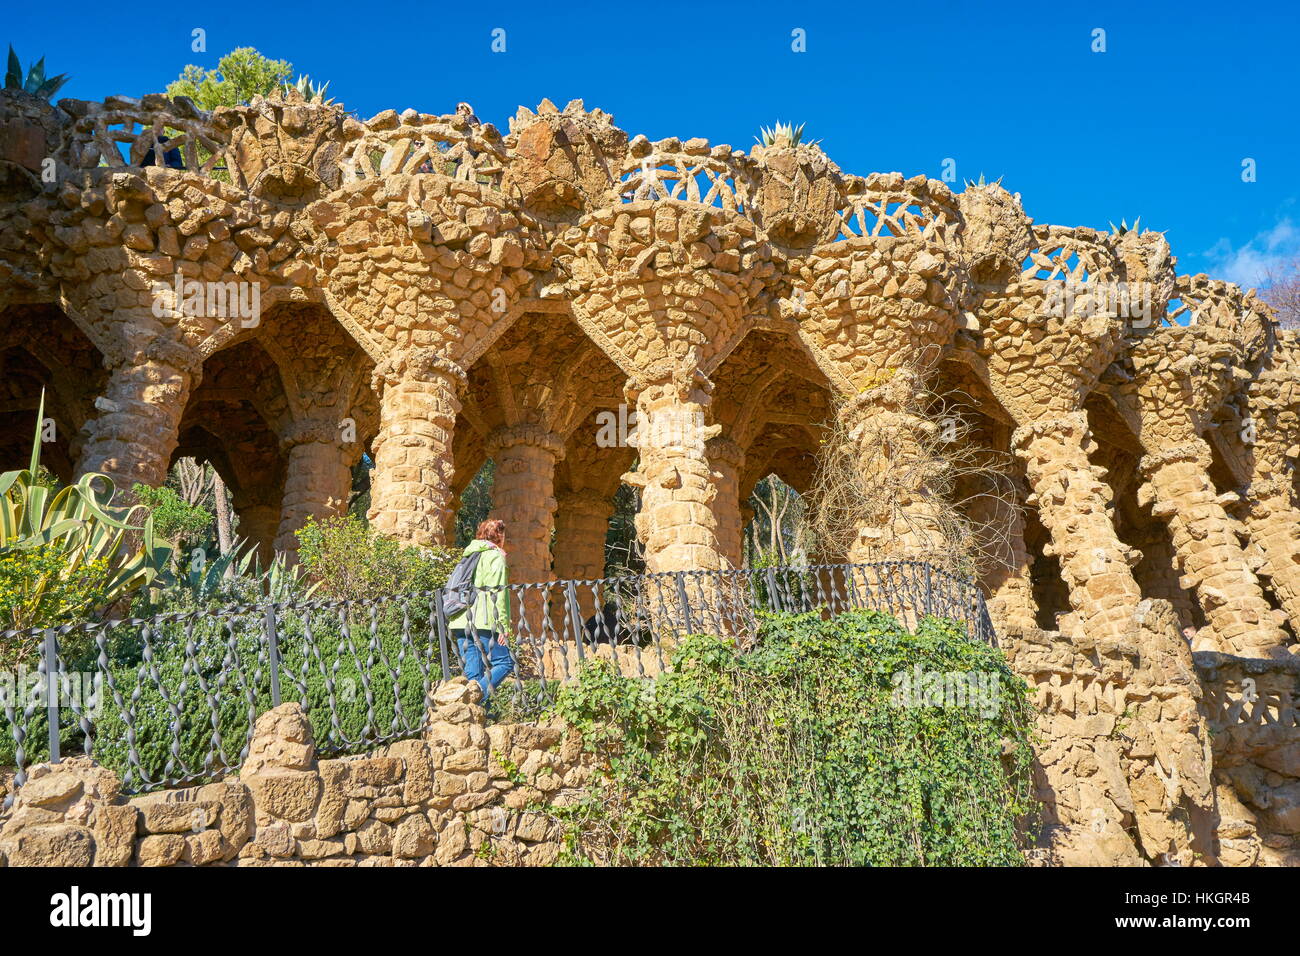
{"x": 353, "y": 562}
{"x": 807, "y": 750}
{"x": 359, "y": 685}
{"x": 66, "y": 554}
{"x": 174, "y": 518}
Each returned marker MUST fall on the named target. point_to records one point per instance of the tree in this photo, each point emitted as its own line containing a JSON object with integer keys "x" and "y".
{"x": 240, "y": 75}
{"x": 475, "y": 503}
{"x": 778, "y": 534}
{"x": 1282, "y": 291}
{"x": 199, "y": 485}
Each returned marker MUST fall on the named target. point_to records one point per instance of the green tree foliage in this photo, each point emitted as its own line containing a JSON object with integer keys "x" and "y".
{"x": 240, "y": 75}
{"x": 475, "y": 503}
{"x": 805, "y": 751}
{"x": 177, "y": 520}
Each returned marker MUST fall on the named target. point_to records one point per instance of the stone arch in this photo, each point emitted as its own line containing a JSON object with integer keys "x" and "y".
{"x": 767, "y": 396}
{"x": 308, "y": 379}
{"x": 231, "y": 421}
{"x": 527, "y": 400}
{"x": 990, "y": 494}
{"x": 41, "y": 349}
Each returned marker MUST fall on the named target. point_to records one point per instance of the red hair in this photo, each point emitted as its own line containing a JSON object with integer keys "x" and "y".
{"x": 492, "y": 529}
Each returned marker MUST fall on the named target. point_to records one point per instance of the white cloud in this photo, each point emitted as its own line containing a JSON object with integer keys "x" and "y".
{"x": 1271, "y": 251}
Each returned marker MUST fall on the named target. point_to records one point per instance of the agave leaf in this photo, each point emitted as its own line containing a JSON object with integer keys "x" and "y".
{"x": 36, "y": 439}
{"x": 9, "y": 519}
{"x": 46, "y": 535}
{"x": 11, "y": 478}
{"x": 14, "y": 74}
{"x": 115, "y": 518}
{"x": 52, "y": 86}
{"x": 35, "y": 76}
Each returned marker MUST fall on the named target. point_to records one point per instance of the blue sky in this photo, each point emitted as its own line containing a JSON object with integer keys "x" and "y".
{"x": 1157, "y": 126}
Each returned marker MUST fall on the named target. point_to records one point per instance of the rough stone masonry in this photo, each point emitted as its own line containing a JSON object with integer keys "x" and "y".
{"x": 462, "y": 795}
{"x": 435, "y": 293}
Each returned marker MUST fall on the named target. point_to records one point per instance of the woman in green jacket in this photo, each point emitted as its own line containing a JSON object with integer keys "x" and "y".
{"x": 483, "y": 628}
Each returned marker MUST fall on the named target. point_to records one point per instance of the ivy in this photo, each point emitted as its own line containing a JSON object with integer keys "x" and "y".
{"x": 808, "y": 750}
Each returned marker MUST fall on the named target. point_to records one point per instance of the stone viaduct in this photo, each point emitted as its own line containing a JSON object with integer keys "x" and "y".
{"x": 433, "y": 292}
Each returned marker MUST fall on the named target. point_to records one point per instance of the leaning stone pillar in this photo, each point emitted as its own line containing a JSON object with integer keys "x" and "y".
{"x": 1273, "y": 506}
{"x": 727, "y": 459}
{"x": 411, "y": 491}
{"x": 523, "y": 495}
{"x": 676, "y": 524}
{"x": 897, "y": 516}
{"x": 318, "y": 479}
{"x": 1210, "y": 554}
{"x": 1073, "y": 504}
{"x": 133, "y": 437}
{"x": 1007, "y": 577}
{"x": 1274, "y": 525}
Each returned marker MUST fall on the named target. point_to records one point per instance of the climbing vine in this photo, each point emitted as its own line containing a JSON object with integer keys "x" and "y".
{"x": 841, "y": 742}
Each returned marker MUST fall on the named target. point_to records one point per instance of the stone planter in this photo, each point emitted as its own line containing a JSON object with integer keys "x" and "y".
{"x": 798, "y": 194}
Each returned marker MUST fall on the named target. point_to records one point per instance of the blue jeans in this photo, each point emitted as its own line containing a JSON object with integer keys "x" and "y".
{"x": 501, "y": 665}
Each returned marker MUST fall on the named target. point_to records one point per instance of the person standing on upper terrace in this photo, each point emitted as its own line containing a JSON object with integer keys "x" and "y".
{"x": 482, "y": 629}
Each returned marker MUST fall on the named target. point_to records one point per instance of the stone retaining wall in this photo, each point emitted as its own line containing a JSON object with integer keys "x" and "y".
{"x": 464, "y": 795}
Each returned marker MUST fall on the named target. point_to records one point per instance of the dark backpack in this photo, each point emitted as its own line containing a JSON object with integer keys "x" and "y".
{"x": 458, "y": 591}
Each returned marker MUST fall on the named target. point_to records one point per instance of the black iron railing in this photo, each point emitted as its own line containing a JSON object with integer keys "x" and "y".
{"x": 172, "y": 700}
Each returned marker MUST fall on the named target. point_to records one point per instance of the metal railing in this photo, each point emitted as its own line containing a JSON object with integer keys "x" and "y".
{"x": 172, "y": 700}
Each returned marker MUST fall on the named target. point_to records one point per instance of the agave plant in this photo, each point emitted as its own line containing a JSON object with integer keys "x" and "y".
{"x": 783, "y": 134}
{"x": 66, "y": 553}
{"x": 309, "y": 91}
{"x": 278, "y": 582}
{"x": 1124, "y": 227}
{"x": 981, "y": 182}
{"x": 34, "y": 80}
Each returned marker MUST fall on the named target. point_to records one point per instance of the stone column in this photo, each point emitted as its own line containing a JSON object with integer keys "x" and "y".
{"x": 133, "y": 437}
{"x": 1074, "y": 506}
{"x": 258, "y": 524}
{"x": 318, "y": 478}
{"x": 414, "y": 469}
{"x": 1208, "y": 551}
{"x": 892, "y": 471}
{"x": 1157, "y": 576}
{"x": 727, "y": 460}
{"x": 581, "y": 526}
{"x": 676, "y": 523}
{"x": 523, "y": 495}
